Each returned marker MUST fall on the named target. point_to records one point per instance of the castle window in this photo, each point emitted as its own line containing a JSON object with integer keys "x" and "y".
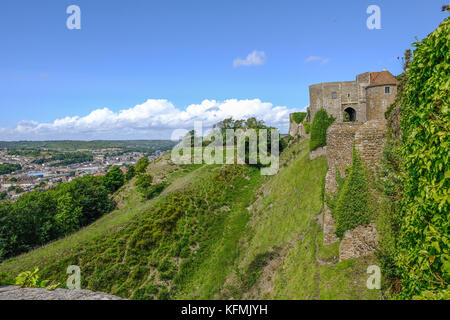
{"x": 333, "y": 95}
{"x": 348, "y": 95}
{"x": 387, "y": 90}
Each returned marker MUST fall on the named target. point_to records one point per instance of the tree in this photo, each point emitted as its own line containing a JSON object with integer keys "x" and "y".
{"x": 67, "y": 218}
{"x": 143, "y": 182}
{"x": 131, "y": 171}
{"x": 141, "y": 165}
{"x": 114, "y": 179}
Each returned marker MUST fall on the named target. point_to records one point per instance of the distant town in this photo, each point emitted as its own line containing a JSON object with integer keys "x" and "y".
{"x": 23, "y": 170}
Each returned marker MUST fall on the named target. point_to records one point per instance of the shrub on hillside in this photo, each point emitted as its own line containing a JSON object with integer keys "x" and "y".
{"x": 155, "y": 190}
{"x": 352, "y": 205}
{"x": 298, "y": 117}
{"x": 114, "y": 179}
{"x": 424, "y": 258}
{"x": 141, "y": 165}
{"x": 319, "y": 128}
{"x": 131, "y": 171}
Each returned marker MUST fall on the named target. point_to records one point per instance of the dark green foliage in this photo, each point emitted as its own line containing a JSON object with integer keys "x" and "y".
{"x": 298, "y": 117}
{"x": 3, "y": 195}
{"x": 19, "y": 190}
{"x": 67, "y": 158}
{"x": 155, "y": 190}
{"x": 39, "y": 217}
{"x": 131, "y": 171}
{"x": 114, "y": 179}
{"x": 6, "y": 168}
{"x": 307, "y": 126}
{"x": 352, "y": 206}
{"x": 6, "y": 279}
{"x": 141, "y": 165}
{"x": 255, "y": 268}
{"x": 319, "y": 128}
{"x": 143, "y": 183}
{"x": 423, "y": 257}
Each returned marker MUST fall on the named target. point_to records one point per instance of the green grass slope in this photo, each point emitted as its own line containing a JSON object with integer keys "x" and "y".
{"x": 216, "y": 232}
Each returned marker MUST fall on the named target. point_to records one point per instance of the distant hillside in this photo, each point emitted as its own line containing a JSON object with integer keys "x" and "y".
{"x": 215, "y": 232}
{"x": 72, "y": 145}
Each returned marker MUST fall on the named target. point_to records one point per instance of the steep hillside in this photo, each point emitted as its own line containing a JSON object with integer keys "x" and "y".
{"x": 215, "y": 232}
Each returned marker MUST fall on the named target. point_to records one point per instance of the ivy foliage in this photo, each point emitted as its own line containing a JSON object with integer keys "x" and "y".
{"x": 307, "y": 126}
{"x": 298, "y": 117}
{"x": 319, "y": 128}
{"x": 424, "y": 241}
{"x": 31, "y": 279}
{"x": 350, "y": 205}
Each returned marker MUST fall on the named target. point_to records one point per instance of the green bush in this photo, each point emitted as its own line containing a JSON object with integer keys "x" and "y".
{"x": 5, "y": 279}
{"x": 141, "y": 165}
{"x": 307, "y": 126}
{"x": 114, "y": 179}
{"x": 298, "y": 117}
{"x": 424, "y": 238}
{"x": 352, "y": 206}
{"x": 319, "y": 128}
{"x": 155, "y": 190}
{"x": 131, "y": 171}
{"x": 143, "y": 183}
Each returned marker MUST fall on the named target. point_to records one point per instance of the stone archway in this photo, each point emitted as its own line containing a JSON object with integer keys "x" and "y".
{"x": 349, "y": 115}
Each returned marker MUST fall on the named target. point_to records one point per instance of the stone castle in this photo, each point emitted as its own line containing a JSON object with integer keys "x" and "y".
{"x": 362, "y": 100}
{"x": 359, "y": 109}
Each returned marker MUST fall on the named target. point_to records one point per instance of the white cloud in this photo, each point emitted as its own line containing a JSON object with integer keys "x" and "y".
{"x": 317, "y": 58}
{"x": 154, "y": 119}
{"x": 255, "y": 58}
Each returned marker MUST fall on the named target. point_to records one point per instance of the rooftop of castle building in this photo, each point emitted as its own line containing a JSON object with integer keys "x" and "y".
{"x": 382, "y": 78}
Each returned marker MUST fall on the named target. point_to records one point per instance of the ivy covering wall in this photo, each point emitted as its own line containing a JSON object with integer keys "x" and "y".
{"x": 319, "y": 127}
{"x": 423, "y": 256}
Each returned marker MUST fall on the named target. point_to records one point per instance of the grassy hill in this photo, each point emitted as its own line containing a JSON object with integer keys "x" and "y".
{"x": 216, "y": 232}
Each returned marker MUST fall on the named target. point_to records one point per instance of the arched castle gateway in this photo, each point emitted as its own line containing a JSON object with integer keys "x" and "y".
{"x": 362, "y": 100}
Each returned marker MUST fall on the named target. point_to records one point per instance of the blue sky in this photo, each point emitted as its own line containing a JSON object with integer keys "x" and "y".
{"x": 181, "y": 54}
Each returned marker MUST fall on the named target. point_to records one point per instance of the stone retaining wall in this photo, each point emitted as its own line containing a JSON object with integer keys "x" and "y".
{"x": 18, "y": 293}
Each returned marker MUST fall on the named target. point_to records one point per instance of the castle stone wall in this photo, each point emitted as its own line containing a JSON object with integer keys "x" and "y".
{"x": 321, "y": 96}
{"x": 378, "y": 101}
{"x": 369, "y": 140}
{"x": 340, "y": 140}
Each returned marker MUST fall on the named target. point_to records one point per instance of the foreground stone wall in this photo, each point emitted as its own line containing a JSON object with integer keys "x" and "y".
{"x": 340, "y": 140}
{"x": 18, "y": 293}
{"x": 369, "y": 140}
